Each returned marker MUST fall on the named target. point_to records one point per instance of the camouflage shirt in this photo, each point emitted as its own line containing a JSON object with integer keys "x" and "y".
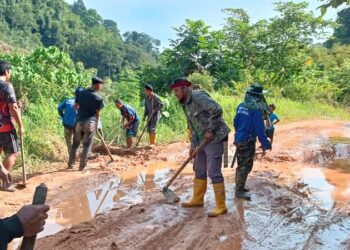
{"x": 204, "y": 114}
{"x": 153, "y": 102}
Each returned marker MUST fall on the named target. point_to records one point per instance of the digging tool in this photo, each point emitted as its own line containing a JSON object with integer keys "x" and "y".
{"x": 39, "y": 199}
{"x": 24, "y": 174}
{"x": 225, "y": 154}
{"x": 234, "y": 159}
{"x": 143, "y": 130}
{"x": 169, "y": 195}
{"x": 105, "y": 145}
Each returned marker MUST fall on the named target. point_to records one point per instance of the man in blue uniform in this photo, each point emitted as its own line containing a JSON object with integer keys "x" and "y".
{"x": 68, "y": 114}
{"x": 249, "y": 124}
{"x": 132, "y": 120}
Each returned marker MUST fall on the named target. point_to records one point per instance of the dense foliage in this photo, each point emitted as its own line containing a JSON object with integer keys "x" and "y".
{"x": 60, "y": 46}
{"x": 79, "y": 31}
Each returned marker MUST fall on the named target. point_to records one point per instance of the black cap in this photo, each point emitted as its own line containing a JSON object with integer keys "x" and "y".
{"x": 149, "y": 87}
{"x": 97, "y": 80}
{"x": 119, "y": 101}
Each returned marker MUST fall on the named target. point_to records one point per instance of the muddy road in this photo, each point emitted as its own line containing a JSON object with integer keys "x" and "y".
{"x": 300, "y": 199}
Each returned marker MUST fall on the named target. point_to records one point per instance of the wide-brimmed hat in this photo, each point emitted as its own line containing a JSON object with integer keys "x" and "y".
{"x": 256, "y": 88}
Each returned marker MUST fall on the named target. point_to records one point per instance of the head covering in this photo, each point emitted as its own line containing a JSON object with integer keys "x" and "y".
{"x": 149, "y": 87}
{"x": 97, "y": 80}
{"x": 181, "y": 82}
{"x": 254, "y": 99}
{"x": 119, "y": 101}
{"x": 256, "y": 88}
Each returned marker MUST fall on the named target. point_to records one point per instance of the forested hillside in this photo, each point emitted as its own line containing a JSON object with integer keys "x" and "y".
{"x": 82, "y": 32}
{"x": 57, "y": 47}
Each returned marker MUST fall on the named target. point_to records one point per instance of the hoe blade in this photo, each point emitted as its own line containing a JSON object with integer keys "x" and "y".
{"x": 170, "y": 196}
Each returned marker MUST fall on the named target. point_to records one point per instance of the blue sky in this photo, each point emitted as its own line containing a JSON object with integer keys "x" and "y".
{"x": 157, "y": 17}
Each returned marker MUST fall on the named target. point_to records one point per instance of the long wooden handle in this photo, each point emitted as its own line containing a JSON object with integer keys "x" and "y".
{"x": 199, "y": 148}
{"x": 105, "y": 144}
{"x": 234, "y": 159}
{"x": 178, "y": 172}
{"x": 24, "y": 174}
{"x": 144, "y": 129}
{"x": 39, "y": 199}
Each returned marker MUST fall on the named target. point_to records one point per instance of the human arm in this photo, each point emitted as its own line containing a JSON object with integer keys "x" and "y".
{"x": 259, "y": 128}
{"x": 5, "y": 176}
{"x": 16, "y": 113}
{"x": 61, "y": 107}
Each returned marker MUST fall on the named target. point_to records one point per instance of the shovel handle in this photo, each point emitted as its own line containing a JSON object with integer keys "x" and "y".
{"x": 143, "y": 130}
{"x": 234, "y": 159}
{"x": 105, "y": 144}
{"x": 178, "y": 172}
{"x": 39, "y": 198}
{"x": 24, "y": 174}
{"x": 199, "y": 148}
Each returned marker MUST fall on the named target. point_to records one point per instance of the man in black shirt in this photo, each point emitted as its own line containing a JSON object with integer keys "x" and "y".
{"x": 88, "y": 103}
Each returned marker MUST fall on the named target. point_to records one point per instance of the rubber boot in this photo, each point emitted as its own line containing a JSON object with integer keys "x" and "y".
{"x": 241, "y": 179}
{"x": 199, "y": 189}
{"x": 246, "y": 190}
{"x": 220, "y": 197}
{"x": 152, "y": 138}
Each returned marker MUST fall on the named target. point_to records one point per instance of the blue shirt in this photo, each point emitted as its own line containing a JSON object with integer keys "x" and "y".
{"x": 273, "y": 117}
{"x": 249, "y": 124}
{"x": 129, "y": 113}
{"x": 67, "y": 112}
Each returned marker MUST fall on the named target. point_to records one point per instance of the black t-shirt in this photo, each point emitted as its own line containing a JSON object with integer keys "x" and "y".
{"x": 89, "y": 103}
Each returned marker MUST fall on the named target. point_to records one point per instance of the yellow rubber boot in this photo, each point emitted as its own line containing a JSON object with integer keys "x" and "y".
{"x": 220, "y": 197}
{"x": 188, "y": 135}
{"x": 199, "y": 189}
{"x": 152, "y": 138}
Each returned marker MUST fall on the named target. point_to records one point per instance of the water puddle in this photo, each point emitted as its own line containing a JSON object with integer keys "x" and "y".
{"x": 128, "y": 189}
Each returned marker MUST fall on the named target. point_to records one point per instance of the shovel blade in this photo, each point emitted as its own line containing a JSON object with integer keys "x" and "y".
{"x": 170, "y": 196}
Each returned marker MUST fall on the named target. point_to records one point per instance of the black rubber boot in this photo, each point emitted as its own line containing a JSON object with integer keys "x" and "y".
{"x": 240, "y": 182}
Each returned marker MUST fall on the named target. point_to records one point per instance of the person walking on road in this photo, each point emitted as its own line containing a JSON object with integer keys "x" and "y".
{"x": 132, "y": 120}
{"x": 89, "y": 104}
{"x": 153, "y": 105}
{"x": 68, "y": 114}
{"x": 249, "y": 124}
{"x": 204, "y": 117}
{"x": 9, "y": 115}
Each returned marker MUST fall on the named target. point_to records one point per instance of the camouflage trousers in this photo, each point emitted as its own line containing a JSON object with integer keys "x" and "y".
{"x": 245, "y": 161}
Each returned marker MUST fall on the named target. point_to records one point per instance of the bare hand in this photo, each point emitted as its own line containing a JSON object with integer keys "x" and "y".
{"x": 5, "y": 177}
{"x": 21, "y": 131}
{"x": 126, "y": 126}
{"x": 209, "y": 136}
{"x": 191, "y": 152}
{"x": 33, "y": 219}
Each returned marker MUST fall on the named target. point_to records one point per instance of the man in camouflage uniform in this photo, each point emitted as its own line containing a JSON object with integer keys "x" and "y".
{"x": 204, "y": 117}
{"x": 249, "y": 124}
{"x": 153, "y": 105}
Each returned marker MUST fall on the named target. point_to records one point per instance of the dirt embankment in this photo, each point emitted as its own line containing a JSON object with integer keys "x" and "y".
{"x": 298, "y": 201}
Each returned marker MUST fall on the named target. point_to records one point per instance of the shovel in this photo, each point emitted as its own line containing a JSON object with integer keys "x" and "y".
{"x": 143, "y": 130}
{"x": 39, "y": 199}
{"x": 24, "y": 175}
{"x": 169, "y": 195}
{"x": 105, "y": 145}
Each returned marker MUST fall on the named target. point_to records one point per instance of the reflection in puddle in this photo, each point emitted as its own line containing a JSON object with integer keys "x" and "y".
{"x": 128, "y": 189}
{"x": 327, "y": 185}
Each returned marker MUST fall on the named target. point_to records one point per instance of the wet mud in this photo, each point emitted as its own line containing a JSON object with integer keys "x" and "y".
{"x": 300, "y": 200}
